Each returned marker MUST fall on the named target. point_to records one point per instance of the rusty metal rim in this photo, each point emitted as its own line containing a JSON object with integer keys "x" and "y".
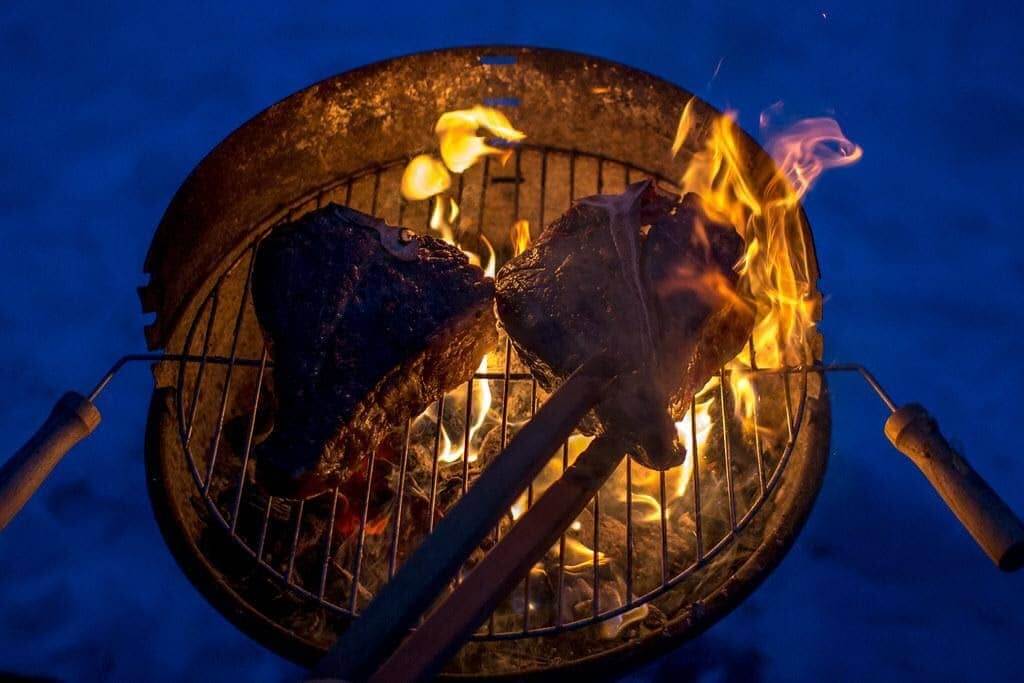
{"x": 169, "y": 314}
{"x": 807, "y": 468}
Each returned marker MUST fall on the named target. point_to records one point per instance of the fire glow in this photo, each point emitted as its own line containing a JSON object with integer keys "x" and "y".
{"x": 774, "y": 275}
{"x": 774, "y": 283}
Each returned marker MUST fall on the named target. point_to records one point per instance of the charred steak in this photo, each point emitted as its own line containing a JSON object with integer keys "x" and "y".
{"x": 647, "y": 278}
{"x": 366, "y": 325}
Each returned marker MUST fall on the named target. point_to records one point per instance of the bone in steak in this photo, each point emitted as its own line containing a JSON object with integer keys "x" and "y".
{"x": 647, "y": 278}
{"x": 366, "y": 324}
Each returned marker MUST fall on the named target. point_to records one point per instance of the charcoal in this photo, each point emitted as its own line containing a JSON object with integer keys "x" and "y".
{"x": 646, "y": 277}
{"x": 366, "y": 325}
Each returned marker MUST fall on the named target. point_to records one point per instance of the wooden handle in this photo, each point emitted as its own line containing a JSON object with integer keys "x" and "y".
{"x": 424, "y": 652}
{"x": 71, "y": 420}
{"x": 983, "y": 513}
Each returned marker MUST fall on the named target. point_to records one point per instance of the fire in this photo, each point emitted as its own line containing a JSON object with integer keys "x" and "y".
{"x": 775, "y": 284}
{"x": 481, "y": 397}
{"x": 461, "y": 147}
{"x": 520, "y": 236}
{"x": 424, "y": 177}
{"x": 579, "y": 557}
{"x": 774, "y": 277}
{"x": 427, "y": 177}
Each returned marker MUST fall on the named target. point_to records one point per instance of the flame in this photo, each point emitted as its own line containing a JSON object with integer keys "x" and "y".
{"x": 439, "y": 222}
{"x": 684, "y": 127}
{"x": 519, "y": 234}
{"x": 461, "y": 147}
{"x": 775, "y": 284}
{"x": 774, "y": 274}
{"x": 424, "y": 177}
{"x": 481, "y": 397}
{"x": 427, "y": 176}
{"x": 579, "y": 557}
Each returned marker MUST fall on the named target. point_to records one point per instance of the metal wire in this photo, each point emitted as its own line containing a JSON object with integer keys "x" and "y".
{"x": 285, "y": 570}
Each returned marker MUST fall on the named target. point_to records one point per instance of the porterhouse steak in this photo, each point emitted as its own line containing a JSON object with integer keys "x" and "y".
{"x": 366, "y": 325}
{"x": 645, "y": 277}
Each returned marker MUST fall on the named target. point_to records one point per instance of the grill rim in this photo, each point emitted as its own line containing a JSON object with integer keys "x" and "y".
{"x": 197, "y": 216}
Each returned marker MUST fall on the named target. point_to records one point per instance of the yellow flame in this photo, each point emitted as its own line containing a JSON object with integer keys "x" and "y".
{"x": 481, "y": 398}
{"x": 461, "y": 147}
{"x": 646, "y": 508}
{"x": 775, "y": 278}
{"x": 520, "y": 236}
{"x": 492, "y": 259}
{"x": 424, "y": 177}
{"x": 683, "y": 129}
{"x": 440, "y": 223}
{"x": 579, "y": 557}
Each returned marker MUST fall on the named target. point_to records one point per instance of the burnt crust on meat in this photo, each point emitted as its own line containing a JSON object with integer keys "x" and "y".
{"x": 364, "y": 332}
{"x": 570, "y": 297}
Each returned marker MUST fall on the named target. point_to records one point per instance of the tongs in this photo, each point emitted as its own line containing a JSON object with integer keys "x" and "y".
{"x": 397, "y": 608}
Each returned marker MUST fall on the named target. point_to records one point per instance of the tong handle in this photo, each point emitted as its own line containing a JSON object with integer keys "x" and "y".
{"x": 431, "y": 645}
{"x": 983, "y": 513}
{"x": 399, "y": 604}
{"x": 73, "y": 418}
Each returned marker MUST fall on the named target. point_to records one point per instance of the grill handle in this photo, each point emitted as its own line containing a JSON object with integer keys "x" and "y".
{"x": 983, "y": 513}
{"x": 73, "y": 418}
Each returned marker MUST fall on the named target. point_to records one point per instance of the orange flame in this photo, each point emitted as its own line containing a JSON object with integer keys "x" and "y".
{"x": 461, "y": 147}
{"x": 424, "y": 177}
{"x": 774, "y": 274}
{"x": 520, "y": 236}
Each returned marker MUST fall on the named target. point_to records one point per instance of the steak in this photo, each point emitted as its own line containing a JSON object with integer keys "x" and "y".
{"x": 647, "y": 278}
{"x": 366, "y": 324}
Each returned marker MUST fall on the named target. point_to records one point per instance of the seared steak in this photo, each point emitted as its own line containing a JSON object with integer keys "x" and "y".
{"x": 645, "y": 277}
{"x": 366, "y": 325}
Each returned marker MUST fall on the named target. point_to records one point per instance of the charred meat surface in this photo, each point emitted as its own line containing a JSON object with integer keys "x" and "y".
{"x": 646, "y": 277}
{"x": 366, "y": 325}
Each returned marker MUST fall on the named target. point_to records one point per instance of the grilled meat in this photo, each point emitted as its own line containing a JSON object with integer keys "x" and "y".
{"x": 366, "y": 325}
{"x": 647, "y": 278}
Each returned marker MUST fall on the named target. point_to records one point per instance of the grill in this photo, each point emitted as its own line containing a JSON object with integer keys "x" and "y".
{"x": 654, "y": 558}
{"x": 203, "y": 403}
{"x": 647, "y": 574}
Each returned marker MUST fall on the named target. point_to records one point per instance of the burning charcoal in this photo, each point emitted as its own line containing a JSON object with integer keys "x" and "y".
{"x": 647, "y": 278}
{"x": 366, "y": 324}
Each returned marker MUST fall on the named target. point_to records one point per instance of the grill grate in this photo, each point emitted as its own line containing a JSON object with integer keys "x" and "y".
{"x": 544, "y": 181}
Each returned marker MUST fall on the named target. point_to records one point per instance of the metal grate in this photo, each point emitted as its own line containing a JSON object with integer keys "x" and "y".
{"x": 222, "y": 388}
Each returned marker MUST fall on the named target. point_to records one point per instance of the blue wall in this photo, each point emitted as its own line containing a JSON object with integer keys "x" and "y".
{"x": 106, "y": 109}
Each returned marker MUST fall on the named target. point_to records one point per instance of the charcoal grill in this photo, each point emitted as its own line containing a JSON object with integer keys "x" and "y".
{"x": 294, "y": 582}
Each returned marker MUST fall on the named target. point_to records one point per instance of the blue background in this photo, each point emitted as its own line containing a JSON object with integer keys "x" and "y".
{"x": 106, "y": 108}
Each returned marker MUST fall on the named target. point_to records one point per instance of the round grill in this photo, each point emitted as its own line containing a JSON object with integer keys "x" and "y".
{"x": 654, "y": 554}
